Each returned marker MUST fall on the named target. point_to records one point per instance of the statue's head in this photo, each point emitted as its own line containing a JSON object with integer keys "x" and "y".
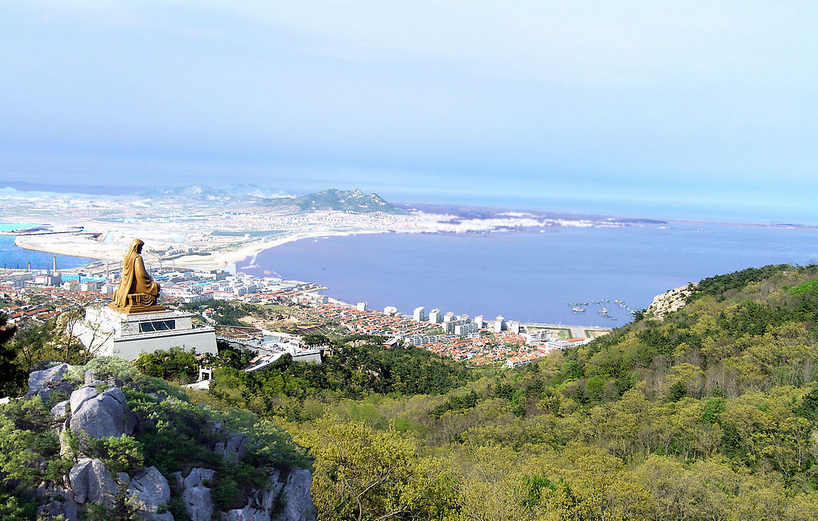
{"x": 136, "y": 245}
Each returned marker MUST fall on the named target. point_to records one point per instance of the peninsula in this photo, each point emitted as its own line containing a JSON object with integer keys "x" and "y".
{"x": 204, "y": 227}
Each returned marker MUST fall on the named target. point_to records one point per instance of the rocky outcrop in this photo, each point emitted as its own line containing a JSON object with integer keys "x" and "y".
{"x": 293, "y": 492}
{"x": 48, "y": 381}
{"x": 60, "y": 410}
{"x": 233, "y": 448}
{"x": 90, "y": 481}
{"x": 669, "y": 301}
{"x": 100, "y": 415}
{"x": 150, "y": 491}
{"x": 66, "y": 508}
{"x": 247, "y": 513}
{"x": 197, "y": 498}
{"x": 99, "y": 409}
{"x": 299, "y": 505}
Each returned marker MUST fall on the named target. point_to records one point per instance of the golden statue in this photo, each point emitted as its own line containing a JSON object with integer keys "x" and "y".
{"x": 137, "y": 291}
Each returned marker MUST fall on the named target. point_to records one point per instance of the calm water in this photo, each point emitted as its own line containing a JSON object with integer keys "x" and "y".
{"x": 534, "y": 276}
{"x": 13, "y": 257}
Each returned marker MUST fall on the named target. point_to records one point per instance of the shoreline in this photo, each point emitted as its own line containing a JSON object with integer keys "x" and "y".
{"x": 70, "y": 248}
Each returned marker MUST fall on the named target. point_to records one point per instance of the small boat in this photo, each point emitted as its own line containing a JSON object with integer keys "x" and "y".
{"x": 578, "y": 309}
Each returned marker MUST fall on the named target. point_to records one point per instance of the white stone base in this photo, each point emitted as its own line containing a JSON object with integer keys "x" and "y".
{"x": 106, "y": 332}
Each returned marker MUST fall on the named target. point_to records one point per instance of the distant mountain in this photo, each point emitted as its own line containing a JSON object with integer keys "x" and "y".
{"x": 340, "y": 200}
{"x": 204, "y": 192}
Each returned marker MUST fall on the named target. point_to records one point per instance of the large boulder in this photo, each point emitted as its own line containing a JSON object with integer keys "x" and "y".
{"x": 48, "y": 381}
{"x": 197, "y": 498}
{"x": 149, "y": 490}
{"x": 81, "y": 395}
{"x": 100, "y": 415}
{"x": 90, "y": 481}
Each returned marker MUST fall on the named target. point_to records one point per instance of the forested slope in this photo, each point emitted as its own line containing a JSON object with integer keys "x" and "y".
{"x": 710, "y": 413}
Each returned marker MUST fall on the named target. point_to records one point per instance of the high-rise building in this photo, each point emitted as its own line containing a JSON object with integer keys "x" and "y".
{"x": 499, "y": 322}
{"x": 434, "y": 316}
{"x": 362, "y": 306}
{"x": 419, "y": 315}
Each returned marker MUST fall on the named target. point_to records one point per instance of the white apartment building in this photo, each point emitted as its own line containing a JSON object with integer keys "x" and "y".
{"x": 499, "y": 322}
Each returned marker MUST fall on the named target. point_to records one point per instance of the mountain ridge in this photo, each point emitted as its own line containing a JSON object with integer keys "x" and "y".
{"x": 354, "y": 200}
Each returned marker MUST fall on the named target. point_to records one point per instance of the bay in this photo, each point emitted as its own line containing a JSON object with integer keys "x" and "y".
{"x": 14, "y": 257}
{"x": 534, "y": 276}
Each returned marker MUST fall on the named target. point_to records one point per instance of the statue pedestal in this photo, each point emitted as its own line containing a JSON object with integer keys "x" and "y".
{"x": 110, "y": 331}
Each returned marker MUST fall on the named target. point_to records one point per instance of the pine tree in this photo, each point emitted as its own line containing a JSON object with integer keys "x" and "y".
{"x": 11, "y": 375}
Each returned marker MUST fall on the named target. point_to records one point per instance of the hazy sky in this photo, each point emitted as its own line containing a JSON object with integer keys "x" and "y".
{"x": 652, "y": 108}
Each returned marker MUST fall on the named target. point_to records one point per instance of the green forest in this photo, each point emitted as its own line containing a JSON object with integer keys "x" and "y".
{"x": 709, "y": 413}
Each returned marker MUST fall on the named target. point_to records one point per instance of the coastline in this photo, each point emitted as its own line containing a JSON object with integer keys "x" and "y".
{"x": 83, "y": 248}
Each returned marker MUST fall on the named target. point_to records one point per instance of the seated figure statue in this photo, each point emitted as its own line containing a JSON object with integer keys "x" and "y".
{"x": 137, "y": 291}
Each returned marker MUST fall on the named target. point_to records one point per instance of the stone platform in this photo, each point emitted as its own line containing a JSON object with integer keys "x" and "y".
{"x": 106, "y": 332}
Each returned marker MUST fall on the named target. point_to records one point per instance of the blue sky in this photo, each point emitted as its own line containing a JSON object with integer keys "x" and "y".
{"x": 695, "y": 109}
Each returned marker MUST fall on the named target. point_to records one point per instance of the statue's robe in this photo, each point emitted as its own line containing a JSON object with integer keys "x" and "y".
{"x": 135, "y": 280}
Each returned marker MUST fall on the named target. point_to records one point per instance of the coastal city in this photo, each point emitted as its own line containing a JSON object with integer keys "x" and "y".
{"x": 202, "y": 227}
{"x": 199, "y": 239}
{"x": 41, "y": 295}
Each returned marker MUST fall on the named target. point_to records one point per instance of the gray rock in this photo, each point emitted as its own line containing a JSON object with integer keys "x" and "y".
{"x": 247, "y": 513}
{"x": 295, "y": 488}
{"x": 60, "y": 409}
{"x": 90, "y": 481}
{"x": 299, "y": 505}
{"x": 48, "y": 381}
{"x": 265, "y": 499}
{"x": 234, "y": 448}
{"x": 53, "y": 509}
{"x": 149, "y": 489}
{"x": 100, "y": 415}
{"x": 82, "y": 394}
{"x": 198, "y": 476}
{"x": 197, "y": 498}
{"x": 90, "y": 377}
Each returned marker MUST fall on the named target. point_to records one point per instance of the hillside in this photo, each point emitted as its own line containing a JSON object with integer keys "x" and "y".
{"x": 103, "y": 442}
{"x": 337, "y": 200}
{"x": 711, "y": 413}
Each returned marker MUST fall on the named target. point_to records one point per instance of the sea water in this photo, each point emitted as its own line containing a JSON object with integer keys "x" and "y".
{"x": 13, "y": 257}
{"x": 538, "y": 275}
